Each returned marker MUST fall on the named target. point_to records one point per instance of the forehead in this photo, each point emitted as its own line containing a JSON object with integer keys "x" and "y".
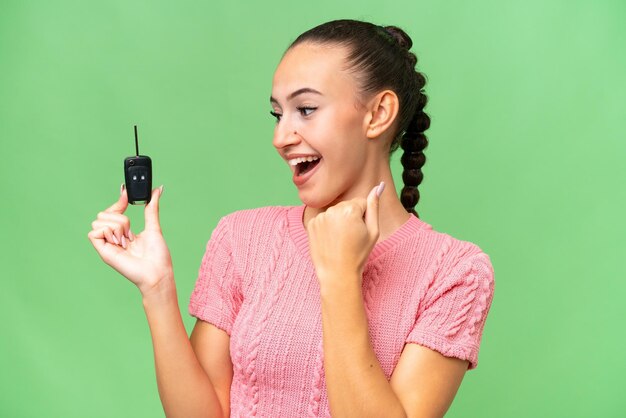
{"x": 321, "y": 67}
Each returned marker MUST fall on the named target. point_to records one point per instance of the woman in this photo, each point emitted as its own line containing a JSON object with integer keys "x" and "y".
{"x": 349, "y": 305}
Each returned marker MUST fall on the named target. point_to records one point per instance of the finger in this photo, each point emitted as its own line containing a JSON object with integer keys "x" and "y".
{"x": 121, "y": 204}
{"x": 100, "y": 237}
{"x": 97, "y": 238}
{"x": 358, "y": 207}
{"x": 152, "y": 211}
{"x": 105, "y": 249}
{"x": 353, "y": 207}
{"x": 371, "y": 213}
{"x": 111, "y": 237}
{"x": 116, "y": 228}
{"x": 120, "y": 219}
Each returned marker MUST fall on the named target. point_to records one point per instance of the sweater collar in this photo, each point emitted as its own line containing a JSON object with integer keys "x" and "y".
{"x": 299, "y": 236}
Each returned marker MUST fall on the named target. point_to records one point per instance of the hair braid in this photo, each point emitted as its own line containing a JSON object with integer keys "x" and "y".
{"x": 411, "y": 135}
{"x": 413, "y": 143}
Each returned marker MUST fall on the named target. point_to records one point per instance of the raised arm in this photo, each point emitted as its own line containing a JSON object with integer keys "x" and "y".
{"x": 185, "y": 386}
{"x": 424, "y": 382}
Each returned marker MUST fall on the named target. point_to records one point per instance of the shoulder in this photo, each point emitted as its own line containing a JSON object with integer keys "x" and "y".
{"x": 456, "y": 298}
{"x": 461, "y": 264}
{"x": 450, "y": 252}
{"x": 466, "y": 258}
{"x": 447, "y": 260}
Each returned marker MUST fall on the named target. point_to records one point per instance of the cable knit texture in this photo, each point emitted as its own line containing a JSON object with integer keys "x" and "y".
{"x": 257, "y": 283}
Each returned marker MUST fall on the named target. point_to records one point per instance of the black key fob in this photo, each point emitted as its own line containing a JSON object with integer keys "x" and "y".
{"x": 138, "y": 176}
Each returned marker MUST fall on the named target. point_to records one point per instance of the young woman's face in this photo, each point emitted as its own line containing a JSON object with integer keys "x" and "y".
{"x": 320, "y": 129}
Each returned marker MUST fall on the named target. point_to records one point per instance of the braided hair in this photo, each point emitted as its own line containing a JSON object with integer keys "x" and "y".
{"x": 380, "y": 59}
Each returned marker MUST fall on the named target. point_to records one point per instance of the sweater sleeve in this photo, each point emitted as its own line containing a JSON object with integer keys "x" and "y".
{"x": 453, "y": 313}
{"x": 216, "y": 297}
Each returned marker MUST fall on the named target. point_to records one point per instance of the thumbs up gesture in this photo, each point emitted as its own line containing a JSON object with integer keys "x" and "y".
{"x": 144, "y": 259}
{"x": 342, "y": 237}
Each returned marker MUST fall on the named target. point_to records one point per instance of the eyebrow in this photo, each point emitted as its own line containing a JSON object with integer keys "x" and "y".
{"x": 297, "y": 93}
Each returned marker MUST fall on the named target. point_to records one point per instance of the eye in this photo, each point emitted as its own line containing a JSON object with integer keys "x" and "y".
{"x": 276, "y": 115}
{"x": 306, "y": 111}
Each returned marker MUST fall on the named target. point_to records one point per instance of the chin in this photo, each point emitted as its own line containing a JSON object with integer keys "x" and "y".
{"x": 317, "y": 202}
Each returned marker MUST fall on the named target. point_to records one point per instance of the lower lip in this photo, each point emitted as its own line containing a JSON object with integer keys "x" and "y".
{"x": 300, "y": 180}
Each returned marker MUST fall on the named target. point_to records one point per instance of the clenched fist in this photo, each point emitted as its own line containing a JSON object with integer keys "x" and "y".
{"x": 342, "y": 237}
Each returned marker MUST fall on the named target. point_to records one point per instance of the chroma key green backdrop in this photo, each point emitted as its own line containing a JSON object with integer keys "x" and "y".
{"x": 527, "y": 158}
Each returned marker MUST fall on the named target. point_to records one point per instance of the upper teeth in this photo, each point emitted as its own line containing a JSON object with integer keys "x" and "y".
{"x": 299, "y": 160}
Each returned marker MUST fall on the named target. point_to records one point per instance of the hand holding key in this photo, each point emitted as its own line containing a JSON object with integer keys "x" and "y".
{"x": 144, "y": 259}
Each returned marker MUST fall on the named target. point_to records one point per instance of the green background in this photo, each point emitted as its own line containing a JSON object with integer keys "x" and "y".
{"x": 527, "y": 158}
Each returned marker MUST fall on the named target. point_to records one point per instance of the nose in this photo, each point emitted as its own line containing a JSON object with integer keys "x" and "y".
{"x": 285, "y": 136}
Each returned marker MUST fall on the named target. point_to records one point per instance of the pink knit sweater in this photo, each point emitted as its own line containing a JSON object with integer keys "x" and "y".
{"x": 257, "y": 283}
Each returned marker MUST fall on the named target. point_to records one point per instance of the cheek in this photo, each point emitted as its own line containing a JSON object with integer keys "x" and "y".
{"x": 341, "y": 130}
{"x": 345, "y": 163}
{"x": 350, "y": 140}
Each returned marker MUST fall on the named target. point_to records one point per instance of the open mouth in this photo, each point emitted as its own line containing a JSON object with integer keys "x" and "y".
{"x": 303, "y": 165}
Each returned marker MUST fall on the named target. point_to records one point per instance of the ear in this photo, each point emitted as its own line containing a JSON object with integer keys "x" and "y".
{"x": 382, "y": 112}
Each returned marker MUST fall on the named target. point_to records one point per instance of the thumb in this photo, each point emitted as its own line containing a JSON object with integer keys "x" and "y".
{"x": 151, "y": 212}
{"x": 371, "y": 213}
{"x": 121, "y": 204}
